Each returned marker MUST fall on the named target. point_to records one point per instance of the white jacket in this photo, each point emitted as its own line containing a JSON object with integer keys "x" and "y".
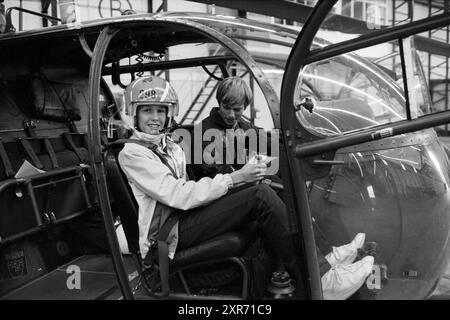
{"x": 152, "y": 181}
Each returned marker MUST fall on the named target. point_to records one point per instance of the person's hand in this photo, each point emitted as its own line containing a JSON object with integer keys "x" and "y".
{"x": 249, "y": 173}
{"x": 260, "y": 158}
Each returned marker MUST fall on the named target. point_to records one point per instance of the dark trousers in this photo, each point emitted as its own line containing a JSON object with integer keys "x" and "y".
{"x": 235, "y": 210}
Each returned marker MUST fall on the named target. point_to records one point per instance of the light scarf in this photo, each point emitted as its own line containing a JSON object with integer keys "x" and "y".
{"x": 158, "y": 139}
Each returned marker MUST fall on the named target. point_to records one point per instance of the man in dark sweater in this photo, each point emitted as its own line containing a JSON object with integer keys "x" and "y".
{"x": 233, "y": 96}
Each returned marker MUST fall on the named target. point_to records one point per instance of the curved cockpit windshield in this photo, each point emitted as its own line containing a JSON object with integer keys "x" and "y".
{"x": 347, "y": 94}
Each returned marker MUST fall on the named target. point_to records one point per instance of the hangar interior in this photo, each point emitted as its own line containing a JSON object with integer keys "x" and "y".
{"x": 363, "y": 15}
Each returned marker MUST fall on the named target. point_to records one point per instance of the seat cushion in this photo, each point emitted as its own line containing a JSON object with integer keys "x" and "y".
{"x": 231, "y": 244}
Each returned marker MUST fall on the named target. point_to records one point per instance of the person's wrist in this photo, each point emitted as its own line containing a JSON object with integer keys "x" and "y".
{"x": 236, "y": 177}
{"x": 228, "y": 180}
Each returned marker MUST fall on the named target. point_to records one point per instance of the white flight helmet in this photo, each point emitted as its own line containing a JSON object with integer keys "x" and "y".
{"x": 151, "y": 90}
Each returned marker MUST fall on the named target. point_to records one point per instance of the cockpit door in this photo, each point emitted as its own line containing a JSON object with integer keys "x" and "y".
{"x": 290, "y": 129}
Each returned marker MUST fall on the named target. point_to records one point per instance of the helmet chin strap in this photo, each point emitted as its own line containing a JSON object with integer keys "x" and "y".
{"x": 167, "y": 125}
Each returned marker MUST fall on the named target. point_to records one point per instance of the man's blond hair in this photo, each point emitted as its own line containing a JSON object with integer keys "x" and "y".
{"x": 233, "y": 91}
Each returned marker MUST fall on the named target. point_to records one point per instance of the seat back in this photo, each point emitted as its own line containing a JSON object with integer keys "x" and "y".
{"x": 125, "y": 204}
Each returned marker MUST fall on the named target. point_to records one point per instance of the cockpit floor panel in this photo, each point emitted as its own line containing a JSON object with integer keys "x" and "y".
{"x": 96, "y": 281}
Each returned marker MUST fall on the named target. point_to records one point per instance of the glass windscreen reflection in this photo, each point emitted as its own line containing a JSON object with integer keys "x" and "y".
{"x": 396, "y": 191}
{"x": 351, "y": 18}
{"x": 349, "y": 93}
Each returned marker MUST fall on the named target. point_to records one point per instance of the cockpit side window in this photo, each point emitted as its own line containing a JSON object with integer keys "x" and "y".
{"x": 348, "y": 93}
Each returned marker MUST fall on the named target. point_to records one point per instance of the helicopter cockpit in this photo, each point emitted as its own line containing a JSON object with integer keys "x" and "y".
{"x": 47, "y": 127}
{"x": 351, "y": 156}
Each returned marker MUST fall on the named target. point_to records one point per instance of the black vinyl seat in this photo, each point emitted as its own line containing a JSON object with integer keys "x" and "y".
{"x": 226, "y": 247}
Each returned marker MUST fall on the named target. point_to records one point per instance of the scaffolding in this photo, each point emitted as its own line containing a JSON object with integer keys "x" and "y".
{"x": 438, "y": 65}
{"x": 201, "y": 100}
{"x": 402, "y": 11}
